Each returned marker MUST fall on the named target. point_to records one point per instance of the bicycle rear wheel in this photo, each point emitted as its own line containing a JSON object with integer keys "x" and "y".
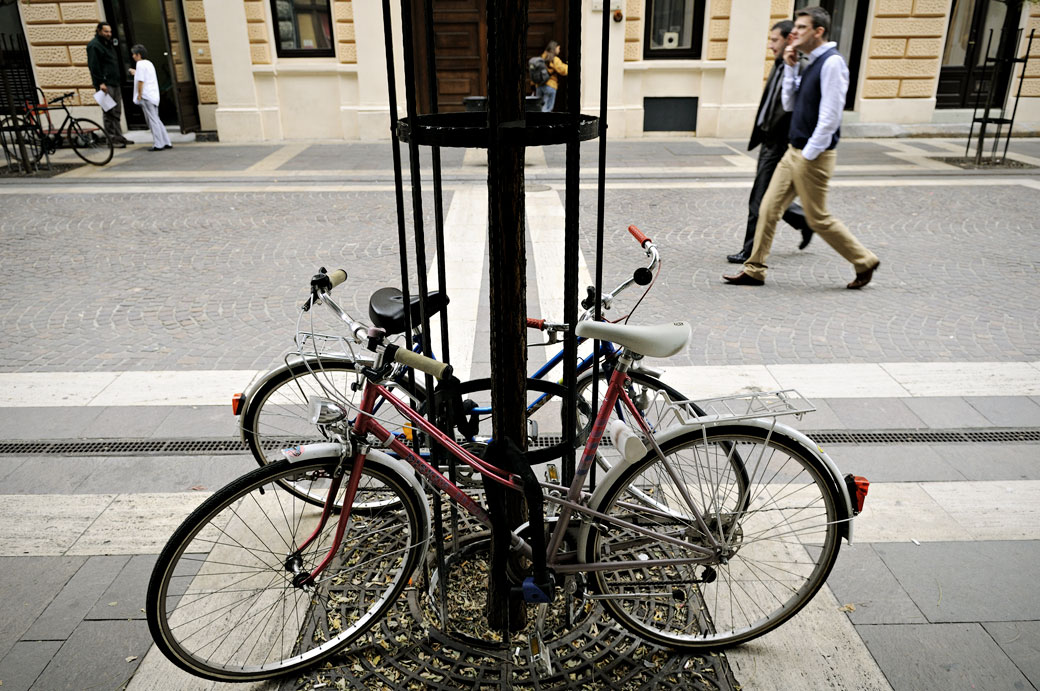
{"x": 90, "y": 141}
{"x": 221, "y": 602}
{"x": 276, "y": 414}
{"x": 776, "y": 551}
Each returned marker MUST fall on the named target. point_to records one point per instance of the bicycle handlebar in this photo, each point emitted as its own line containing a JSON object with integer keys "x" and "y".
{"x": 59, "y": 99}
{"x": 536, "y": 324}
{"x": 640, "y": 236}
{"x": 323, "y": 283}
{"x": 435, "y": 368}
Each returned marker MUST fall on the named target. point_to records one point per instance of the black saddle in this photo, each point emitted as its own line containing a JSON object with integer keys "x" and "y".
{"x": 386, "y": 308}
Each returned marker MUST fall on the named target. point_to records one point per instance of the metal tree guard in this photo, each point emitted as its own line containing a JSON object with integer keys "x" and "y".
{"x": 505, "y": 129}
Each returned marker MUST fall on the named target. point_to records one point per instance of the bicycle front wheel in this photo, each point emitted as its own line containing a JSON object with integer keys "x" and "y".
{"x": 221, "y": 602}
{"x": 90, "y": 141}
{"x": 774, "y": 552}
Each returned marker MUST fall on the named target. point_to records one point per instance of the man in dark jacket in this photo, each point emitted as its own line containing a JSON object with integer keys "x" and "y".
{"x": 771, "y": 128}
{"x": 104, "y": 72}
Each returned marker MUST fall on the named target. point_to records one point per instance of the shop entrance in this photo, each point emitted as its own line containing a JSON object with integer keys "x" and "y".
{"x": 964, "y": 67}
{"x": 159, "y": 26}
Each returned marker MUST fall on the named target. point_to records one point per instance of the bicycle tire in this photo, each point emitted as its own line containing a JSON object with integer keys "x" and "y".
{"x": 276, "y": 413}
{"x": 782, "y": 545}
{"x": 31, "y": 137}
{"x": 90, "y": 141}
{"x": 221, "y": 603}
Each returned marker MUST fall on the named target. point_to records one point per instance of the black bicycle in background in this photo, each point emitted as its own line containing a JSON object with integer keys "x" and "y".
{"x": 39, "y": 135}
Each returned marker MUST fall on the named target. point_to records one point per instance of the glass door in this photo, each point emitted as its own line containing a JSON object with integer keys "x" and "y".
{"x": 975, "y": 27}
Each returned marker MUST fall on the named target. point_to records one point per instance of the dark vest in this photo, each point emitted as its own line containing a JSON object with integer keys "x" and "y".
{"x": 807, "y": 104}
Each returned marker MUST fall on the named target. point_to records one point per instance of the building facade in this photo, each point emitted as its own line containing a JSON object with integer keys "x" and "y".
{"x": 273, "y": 70}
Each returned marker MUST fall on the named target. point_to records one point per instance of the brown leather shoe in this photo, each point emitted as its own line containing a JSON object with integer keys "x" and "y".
{"x": 742, "y": 279}
{"x": 863, "y": 278}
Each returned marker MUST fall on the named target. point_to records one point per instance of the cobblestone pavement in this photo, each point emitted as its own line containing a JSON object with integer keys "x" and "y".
{"x": 185, "y": 280}
{"x": 197, "y": 259}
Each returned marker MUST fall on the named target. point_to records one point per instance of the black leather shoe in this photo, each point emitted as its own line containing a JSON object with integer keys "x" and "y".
{"x": 742, "y": 279}
{"x": 807, "y": 234}
{"x": 155, "y": 148}
{"x": 738, "y": 258}
{"x": 863, "y": 278}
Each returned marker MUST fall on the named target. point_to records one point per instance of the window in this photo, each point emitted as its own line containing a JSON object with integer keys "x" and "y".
{"x": 303, "y": 28}
{"x": 674, "y": 29}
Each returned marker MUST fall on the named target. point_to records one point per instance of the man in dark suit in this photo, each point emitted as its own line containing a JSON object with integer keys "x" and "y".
{"x": 772, "y": 123}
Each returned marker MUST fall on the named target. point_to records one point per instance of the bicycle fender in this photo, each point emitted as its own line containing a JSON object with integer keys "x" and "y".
{"x": 793, "y": 436}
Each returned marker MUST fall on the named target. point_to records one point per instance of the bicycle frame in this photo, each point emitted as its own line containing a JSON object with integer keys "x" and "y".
{"x": 365, "y": 424}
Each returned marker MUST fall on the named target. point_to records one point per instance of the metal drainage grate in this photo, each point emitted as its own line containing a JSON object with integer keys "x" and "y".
{"x": 995, "y": 436}
{"x": 207, "y": 447}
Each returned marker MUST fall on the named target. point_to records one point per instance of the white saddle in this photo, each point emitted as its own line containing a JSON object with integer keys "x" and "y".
{"x": 662, "y": 340}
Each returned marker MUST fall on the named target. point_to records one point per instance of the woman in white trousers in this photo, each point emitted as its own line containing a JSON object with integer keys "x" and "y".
{"x": 146, "y": 95}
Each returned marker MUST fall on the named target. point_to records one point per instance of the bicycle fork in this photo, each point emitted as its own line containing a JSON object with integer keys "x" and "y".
{"x": 294, "y": 560}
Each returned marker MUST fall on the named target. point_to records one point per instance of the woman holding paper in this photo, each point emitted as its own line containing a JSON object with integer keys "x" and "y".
{"x": 146, "y": 95}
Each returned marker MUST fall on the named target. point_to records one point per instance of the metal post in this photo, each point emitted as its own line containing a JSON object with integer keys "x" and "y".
{"x": 507, "y": 59}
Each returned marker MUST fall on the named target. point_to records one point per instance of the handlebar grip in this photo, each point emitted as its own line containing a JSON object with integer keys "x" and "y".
{"x": 536, "y": 324}
{"x": 639, "y": 235}
{"x": 440, "y": 370}
{"x": 338, "y": 276}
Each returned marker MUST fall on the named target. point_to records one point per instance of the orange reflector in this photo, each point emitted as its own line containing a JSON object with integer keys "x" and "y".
{"x": 237, "y": 401}
{"x": 858, "y": 488}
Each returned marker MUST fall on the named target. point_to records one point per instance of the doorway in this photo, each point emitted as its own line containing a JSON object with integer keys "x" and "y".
{"x": 848, "y": 28}
{"x": 159, "y": 26}
{"x": 975, "y": 26}
{"x": 460, "y": 47}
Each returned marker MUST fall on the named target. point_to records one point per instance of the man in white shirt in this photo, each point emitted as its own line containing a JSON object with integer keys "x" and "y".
{"x": 816, "y": 95}
{"x": 146, "y": 95}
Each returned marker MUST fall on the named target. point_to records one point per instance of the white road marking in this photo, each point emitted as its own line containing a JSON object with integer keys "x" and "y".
{"x": 215, "y": 387}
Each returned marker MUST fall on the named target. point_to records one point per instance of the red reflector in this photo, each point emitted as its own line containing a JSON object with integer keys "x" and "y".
{"x": 237, "y": 401}
{"x": 858, "y": 488}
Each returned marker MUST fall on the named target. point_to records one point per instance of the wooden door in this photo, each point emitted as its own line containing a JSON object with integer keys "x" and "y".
{"x": 460, "y": 47}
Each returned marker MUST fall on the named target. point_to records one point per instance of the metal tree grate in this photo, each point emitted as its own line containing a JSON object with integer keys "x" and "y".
{"x": 408, "y": 650}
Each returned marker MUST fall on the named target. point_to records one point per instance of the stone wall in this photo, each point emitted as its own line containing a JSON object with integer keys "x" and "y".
{"x": 1031, "y": 78}
{"x": 346, "y": 47}
{"x": 259, "y": 33}
{"x": 58, "y": 33}
{"x": 718, "y": 13}
{"x": 634, "y": 30}
{"x": 906, "y": 48}
{"x": 198, "y": 37}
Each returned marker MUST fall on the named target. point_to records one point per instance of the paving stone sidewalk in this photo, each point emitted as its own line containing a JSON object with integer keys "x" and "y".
{"x": 939, "y": 585}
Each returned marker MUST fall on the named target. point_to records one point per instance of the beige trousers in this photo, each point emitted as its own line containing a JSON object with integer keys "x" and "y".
{"x": 808, "y": 180}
